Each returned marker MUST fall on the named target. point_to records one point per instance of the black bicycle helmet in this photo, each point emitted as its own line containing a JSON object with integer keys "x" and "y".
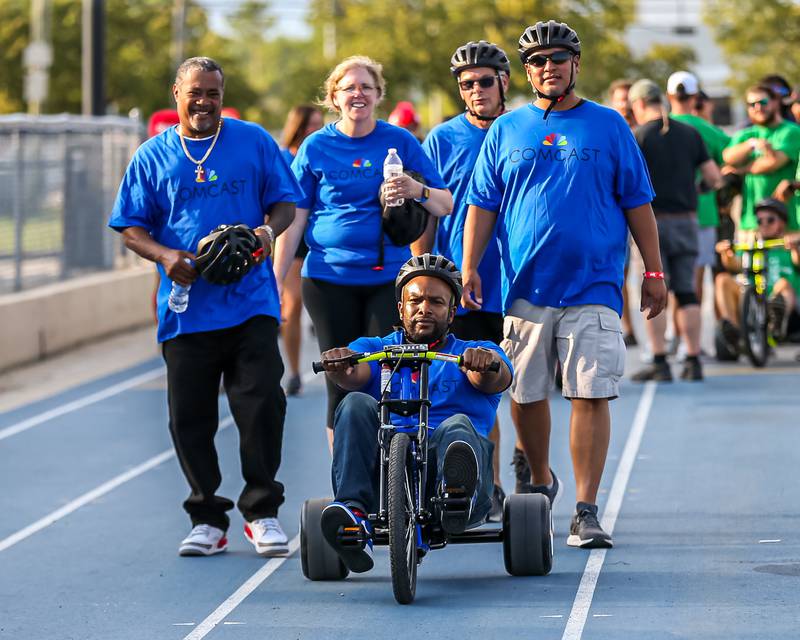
{"x": 429, "y": 265}
{"x": 544, "y": 35}
{"x": 225, "y": 255}
{"x": 479, "y": 54}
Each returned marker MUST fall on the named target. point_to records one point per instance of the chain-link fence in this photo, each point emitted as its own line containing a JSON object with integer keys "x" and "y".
{"x": 59, "y": 177}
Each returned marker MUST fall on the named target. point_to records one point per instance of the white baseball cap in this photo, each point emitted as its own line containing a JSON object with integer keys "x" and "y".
{"x": 688, "y": 80}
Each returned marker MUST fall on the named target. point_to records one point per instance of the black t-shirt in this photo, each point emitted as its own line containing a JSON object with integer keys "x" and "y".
{"x": 673, "y": 159}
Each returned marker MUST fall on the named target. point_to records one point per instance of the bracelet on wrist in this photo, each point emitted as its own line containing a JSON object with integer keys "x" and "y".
{"x": 653, "y": 275}
{"x": 268, "y": 230}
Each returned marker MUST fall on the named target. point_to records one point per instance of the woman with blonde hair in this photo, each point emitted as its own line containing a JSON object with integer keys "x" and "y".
{"x": 348, "y": 274}
{"x": 301, "y": 122}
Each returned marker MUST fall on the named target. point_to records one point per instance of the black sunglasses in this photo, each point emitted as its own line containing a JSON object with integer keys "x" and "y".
{"x": 484, "y": 83}
{"x": 557, "y": 57}
{"x": 763, "y": 220}
{"x": 763, "y": 102}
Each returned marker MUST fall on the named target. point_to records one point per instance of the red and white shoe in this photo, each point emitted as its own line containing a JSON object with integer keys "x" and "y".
{"x": 267, "y": 537}
{"x": 203, "y": 540}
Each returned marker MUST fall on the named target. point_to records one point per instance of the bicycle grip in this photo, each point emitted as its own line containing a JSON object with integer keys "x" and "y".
{"x": 317, "y": 367}
{"x": 494, "y": 367}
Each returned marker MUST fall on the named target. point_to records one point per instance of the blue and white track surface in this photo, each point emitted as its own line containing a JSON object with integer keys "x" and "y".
{"x": 700, "y": 490}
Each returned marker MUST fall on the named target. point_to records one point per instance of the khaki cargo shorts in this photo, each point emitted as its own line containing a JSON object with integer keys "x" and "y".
{"x": 586, "y": 340}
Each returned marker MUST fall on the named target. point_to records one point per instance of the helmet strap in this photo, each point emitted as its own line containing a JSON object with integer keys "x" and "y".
{"x": 556, "y": 99}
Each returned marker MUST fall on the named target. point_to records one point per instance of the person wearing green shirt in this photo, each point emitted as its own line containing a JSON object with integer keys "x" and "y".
{"x": 783, "y": 277}
{"x": 765, "y": 153}
{"x": 682, "y": 91}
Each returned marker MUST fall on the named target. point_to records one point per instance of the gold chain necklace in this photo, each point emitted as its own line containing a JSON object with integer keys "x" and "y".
{"x": 199, "y": 172}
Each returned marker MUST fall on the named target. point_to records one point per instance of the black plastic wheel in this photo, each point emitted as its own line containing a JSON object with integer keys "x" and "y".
{"x": 723, "y": 350}
{"x": 527, "y": 535}
{"x": 402, "y": 524}
{"x": 753, "y": 310}
{"x": 319, "y": 560}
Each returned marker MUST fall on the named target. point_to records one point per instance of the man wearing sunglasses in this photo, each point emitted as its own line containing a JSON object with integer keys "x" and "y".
{"x": 765, "y": 154}
{"x": 559, "y": 182}
{"x": 783, "y": 278}
{"x": 481, "y": 70}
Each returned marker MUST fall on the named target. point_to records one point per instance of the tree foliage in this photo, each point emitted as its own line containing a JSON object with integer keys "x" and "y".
{"x": 758, "y": 37}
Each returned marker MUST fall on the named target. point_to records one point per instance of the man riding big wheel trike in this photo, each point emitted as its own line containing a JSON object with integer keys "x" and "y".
{"x": 412, "y": 462}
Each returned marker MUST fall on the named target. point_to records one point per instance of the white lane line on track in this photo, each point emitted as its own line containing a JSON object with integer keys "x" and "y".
{"x": 583, "y": 599}
{"x": 94, "y": 494}
{"x": 113, "y": 390}
{"x": 238, "y": 596}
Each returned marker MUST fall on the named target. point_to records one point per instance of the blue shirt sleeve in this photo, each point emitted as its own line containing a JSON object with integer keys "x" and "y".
{"x": 632, "y": 185}
{"x": 301, "y": 168}
{"x": 135, "y": 203}
{"x": 486, "y": 187}
{"x": 418, "y": 161}
{"x": 280, "y": 184}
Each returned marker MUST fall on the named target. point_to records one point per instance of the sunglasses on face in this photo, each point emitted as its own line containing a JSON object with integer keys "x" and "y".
{"x": 765, "y": 220}
{"x": 540, "y": 59}
{"x": 484, "y": 83}
{"x": 763, "y": 102}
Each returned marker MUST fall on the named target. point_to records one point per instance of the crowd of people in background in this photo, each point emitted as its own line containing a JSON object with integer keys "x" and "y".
{"x": 539, "y": 208}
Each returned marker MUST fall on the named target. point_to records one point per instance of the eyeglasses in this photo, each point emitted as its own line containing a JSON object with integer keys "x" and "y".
{"x": 557, "y": 57}
{"x": 484, "y": 83}
{"x": 763, "y": 102}
{"x": 765, "y": 220}
{"x": 352, "y": 88}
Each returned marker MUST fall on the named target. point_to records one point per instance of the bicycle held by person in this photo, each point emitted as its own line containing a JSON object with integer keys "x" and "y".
{"x": 409, "y": 515}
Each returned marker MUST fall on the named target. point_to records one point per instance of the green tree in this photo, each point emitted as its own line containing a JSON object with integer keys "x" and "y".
{"x": 758, "y": 37}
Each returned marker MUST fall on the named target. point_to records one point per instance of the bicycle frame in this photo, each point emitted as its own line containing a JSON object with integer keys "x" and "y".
{"x": 754, "y": 263}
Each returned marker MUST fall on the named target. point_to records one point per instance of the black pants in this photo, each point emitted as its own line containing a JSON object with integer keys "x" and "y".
{"x": 342, "y": 313}
{"x": 247, "y": 359}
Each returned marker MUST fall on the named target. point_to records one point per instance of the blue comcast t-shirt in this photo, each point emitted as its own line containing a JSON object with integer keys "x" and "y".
{"x": 341, "y": 177}
{"x": 449, "y": 389}
{"x": 453, "y": 146}
{"x": 244, "y": 175}
{"x": 560, "y": 187}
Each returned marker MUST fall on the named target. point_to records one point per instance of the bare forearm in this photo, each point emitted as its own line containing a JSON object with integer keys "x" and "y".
{"x": 142, "y": 244}
{"x": 738, "y": 154}
{"x": 280, "y": 216}
{"x": 491, "y": 382}
{"x": 478, "y": 229}
{"x": 353, "y": 381}
{"x": 768, "y": 164}
{"x": 642, "y": 223}
{"x": 287, "y": 243}
{"x": 440, "y": 203}
{"x": 424, "y": 244}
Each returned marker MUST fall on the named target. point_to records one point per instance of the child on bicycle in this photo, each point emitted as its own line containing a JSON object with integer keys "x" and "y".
{"x": 463, "y": 407}
{"x": 783, "y": 277}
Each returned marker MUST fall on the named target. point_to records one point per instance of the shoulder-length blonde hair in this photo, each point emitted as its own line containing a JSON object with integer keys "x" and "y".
{"x": 375, "y": 69}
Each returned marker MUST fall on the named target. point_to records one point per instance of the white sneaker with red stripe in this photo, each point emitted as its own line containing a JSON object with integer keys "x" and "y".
{"x": 203, "y": 540}
{"x": 267, "y": 537}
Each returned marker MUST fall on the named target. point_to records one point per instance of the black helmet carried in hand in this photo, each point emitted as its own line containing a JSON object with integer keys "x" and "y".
{"x": 225, "y": 255}
{"x": 479, "y": 54}
{"x": 545, "y": 35}
{"x": 429, "y": 265}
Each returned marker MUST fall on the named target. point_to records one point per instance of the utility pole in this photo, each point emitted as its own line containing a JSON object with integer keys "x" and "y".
{"x": 38, "y": 56}
{"x": 329, "y": 33}
{"x": 178, "y": 32}
{"x": 93, "y": 37}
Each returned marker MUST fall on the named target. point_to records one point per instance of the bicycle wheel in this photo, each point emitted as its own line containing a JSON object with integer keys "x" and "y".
{"x": 402, "y": 523}
{"x": 753, "y": 312}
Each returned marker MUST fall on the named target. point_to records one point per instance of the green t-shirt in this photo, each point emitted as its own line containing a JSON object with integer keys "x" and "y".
{"x": 715, "y": 140}
{"x": 780, "y": 265}
{"x": 786, "y": 138}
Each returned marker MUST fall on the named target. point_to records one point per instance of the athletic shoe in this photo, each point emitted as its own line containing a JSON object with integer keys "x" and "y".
{"x": 349, "y": 534}
{"x": 267, "y": 537}
{"x": 294, "y": 386}
{"x": 630, "y": 340}
{"x": 460, "y": 471}
{"x": 692, "y": 370}
{"x": 657, "y": 371}
{"x": 203, "y": 540}
{"x": 585, "y": 530}
{"x": 777, "y": 317}
{"x": 522, "y": 471}
{"x": 496, "y": 512}
{"x": 731, "y": 334}
{"x": 553, "y": 491}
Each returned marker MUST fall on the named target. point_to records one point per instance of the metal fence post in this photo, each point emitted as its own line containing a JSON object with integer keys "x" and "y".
{"x": 16, "y": 138}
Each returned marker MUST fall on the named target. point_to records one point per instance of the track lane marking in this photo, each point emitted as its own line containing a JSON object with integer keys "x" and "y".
{"x": 586, "y": 588}
{"x": 80, "y": 403}
{"x": 238, "y": 596}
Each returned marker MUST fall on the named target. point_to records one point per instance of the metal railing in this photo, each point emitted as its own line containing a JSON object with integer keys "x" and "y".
{"x": 59, "y": 177}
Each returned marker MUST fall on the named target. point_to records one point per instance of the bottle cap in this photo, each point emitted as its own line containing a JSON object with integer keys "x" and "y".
{"x": 392, "y": 150}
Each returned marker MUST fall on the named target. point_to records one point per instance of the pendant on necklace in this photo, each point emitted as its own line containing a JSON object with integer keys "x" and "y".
{"x": 200, "y": 174}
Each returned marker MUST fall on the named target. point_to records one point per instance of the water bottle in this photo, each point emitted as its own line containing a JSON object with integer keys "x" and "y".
{"x": 386, "y": 379}
{"x": 179, "y": 295}
{"x": 392, "y": 167}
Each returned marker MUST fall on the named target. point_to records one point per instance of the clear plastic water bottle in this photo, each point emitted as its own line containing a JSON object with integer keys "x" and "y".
{"x": 179, "y": 295}
{"x": 393, "y": 167}
{"x": 386, "y": 379}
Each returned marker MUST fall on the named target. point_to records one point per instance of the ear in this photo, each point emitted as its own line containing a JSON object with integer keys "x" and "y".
{"x": 451, "y": 316}
{"x": 400, "y": 309}
{"x": 577, "y": 60}
{"x": 175, "y": 93}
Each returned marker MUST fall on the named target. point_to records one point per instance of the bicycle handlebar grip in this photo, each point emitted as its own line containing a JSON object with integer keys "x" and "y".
{"x": 494, "y": 367}
{"x": 317, "y": 367}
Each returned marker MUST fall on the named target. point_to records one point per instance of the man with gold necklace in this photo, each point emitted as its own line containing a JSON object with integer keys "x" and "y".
{"x": 179, "y": 186}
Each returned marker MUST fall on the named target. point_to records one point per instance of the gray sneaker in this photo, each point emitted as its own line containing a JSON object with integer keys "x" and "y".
{"x": 585, "y": 531}
{"x": 553, "y": 492}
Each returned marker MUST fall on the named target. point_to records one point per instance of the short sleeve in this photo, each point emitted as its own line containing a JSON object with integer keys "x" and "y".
{"x": 419, "y": 161}
{"x": 632, "y": 182}
{"x": 301, "y": 169}
{"x": 135, "y": 204}
{"x": 486, "y": 187}
{"x": 790, "y": 142}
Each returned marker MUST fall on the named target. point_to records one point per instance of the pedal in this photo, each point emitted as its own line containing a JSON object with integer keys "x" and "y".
{"x": 353, "y": 536}
{"x": 454, "y": 501}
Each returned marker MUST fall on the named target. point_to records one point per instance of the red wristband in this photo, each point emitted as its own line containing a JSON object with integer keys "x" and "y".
{"x": 653, "y": 275}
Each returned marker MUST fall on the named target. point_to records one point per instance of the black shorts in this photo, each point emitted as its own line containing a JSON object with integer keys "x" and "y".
{"x": 478, "y": 325}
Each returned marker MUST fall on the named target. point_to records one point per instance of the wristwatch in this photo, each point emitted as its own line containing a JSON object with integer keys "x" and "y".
{"x": 426, "y": 193}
